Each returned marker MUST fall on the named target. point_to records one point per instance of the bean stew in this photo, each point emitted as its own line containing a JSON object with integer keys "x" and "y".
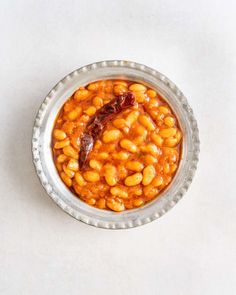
{"x": 116, "y": 144}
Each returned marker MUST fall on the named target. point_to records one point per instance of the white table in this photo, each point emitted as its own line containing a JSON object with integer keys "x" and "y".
{"x": 189, "y": 251}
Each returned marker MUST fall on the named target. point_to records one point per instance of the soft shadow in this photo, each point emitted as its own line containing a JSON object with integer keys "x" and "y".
{"x": 24, "y": 175}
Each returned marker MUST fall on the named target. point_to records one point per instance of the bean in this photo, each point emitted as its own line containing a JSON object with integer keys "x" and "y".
{"x": 68, "y": 127}
{"x": 137, "y": 87}
{"x": 150, "y": 192}
{"x": 151, "y": 93}
{"x": 169, "y": 121}
{"x": 163, "y": 110}
{"x": 59, "y": 167}
{"x": 147, "y": 122}
{"x": 140, "y": 130}
{"x": 149, "y": 159}
{"x": 125, "y": 112}
{"x": 153, "y": 114}
{"x": 91, "y": 176}
{"x": 149, "y": 173}
{"x": 59, "y": 120}
{"x": 178, "y": 136}
{"x": 118, "y": 192}
{"x": 95, "y": 164}
{"x": 74, "y": 114}
{"x": 151, "y": 149}
{"x": 170, "y": 152}
{"x": 122, "y": 156}
{"x": 173, "y": 168}
{"x": 61, "y": 158}
{"x": 121, "y": 83}
{"x": 139, "y": 140}
{"x": 138, "y": 202}
{"x": 105, "y": 83}
{"x": 110, "y": 169}
{"x": 84, "y": 193}
{"x": 73, "y": 165}
{"x": 131, "y": 118}
{"x": 84, "y": 118}
{"x": 103, "y": 156}
{"x": 144, "y": 135}
{"x": 66, "y": 179}
{"x": 157, "y": 181}
{"x": 119, "y": 89}
{"x": 101, "y": 203}
{"x": 119, "y": 123}
{"x": 105, "y": 101}
{"x": 97, "y": 102}
{"x": 81, "y": 94}
{"x": 70, "y": 152}
{"x": 167, "y": 180}
{"x": 140, "y": 97}
{"x": 68, "y": 172}
{"x": 133, "y": 179}
{"x": 109, "y": 87}
{"x": 160, "y": 118}
{"x": 90, "y": 111}
{"x": 110, "y": 147}
{"x": 167, "y": 132}
{"x": 122, "y": 171}
{"x": 115, "y": 204}
{"x": 166, "y": 168}
{"x": 75, "y": 142}
{"x": 91, "y": 201}
{"x": 153, "y": 103}
{"x": 134, "y": 166}
{"x": 79, "y": 179}
{"x": 157, "y": 139}
{"x": 98, "y": 189}
{"x": 59, "y": 134}
{"x": 170, "y": 142}
{"x": 98, "y": 144}
{"x": 111, "y": 135}
{"x": 128, "y": 145}
{"x": 62, "y": 144}
{"x": 110, "y": 174}
{"x": 69, "y": 105}
{"x": 173, "y": 158}
{"x": 135, "y": 106}
{"x": 138, "y": 191}
{"x": 93, "y": 86}
{"x": 129, "y": 204}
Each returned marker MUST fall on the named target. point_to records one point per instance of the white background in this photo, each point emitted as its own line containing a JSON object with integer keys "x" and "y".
{"x": 189, "y": 251}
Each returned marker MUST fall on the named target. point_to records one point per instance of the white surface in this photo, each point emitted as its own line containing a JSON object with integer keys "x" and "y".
{"x": 191, "y": 250}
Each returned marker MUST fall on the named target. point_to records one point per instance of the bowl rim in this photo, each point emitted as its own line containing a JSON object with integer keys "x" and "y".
{"x": 50, "y": 188}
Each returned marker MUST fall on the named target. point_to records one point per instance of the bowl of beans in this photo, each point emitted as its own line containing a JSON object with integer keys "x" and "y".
{"x": 115, "y": 144}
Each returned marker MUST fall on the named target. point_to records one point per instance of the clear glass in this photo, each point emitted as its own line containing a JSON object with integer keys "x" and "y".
{"x": 42, "y": 154}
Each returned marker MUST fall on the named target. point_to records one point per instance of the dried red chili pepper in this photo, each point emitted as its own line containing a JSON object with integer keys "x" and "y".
{"x": 97, "y": 123}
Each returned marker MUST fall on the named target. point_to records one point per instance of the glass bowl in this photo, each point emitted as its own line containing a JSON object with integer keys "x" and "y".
{"x": 42, "y": 154}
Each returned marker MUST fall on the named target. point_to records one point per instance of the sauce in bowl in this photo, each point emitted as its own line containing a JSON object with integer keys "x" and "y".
{"x": 134, "y": 155}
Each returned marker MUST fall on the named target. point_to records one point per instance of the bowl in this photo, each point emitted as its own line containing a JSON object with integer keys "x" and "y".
{"x": 43, "y": 159}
